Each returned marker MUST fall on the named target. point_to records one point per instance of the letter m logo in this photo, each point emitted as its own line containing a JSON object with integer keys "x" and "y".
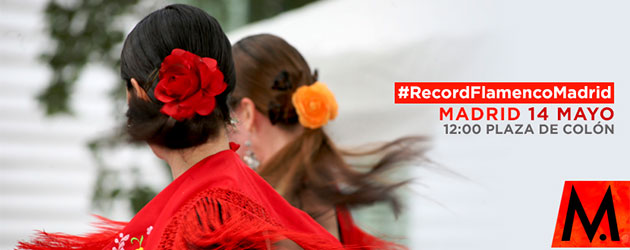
{"x": 594, "y": 214}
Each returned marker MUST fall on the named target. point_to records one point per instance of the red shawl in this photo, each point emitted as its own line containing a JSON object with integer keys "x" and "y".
{"x": 219, "y": 203}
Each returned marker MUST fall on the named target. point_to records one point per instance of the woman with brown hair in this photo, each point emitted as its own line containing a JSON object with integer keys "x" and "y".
{"x": 280, "y": 109}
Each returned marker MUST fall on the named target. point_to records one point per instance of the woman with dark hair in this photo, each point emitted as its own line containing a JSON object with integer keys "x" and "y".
{"x": 281, "y": 109}
{"x": 177, "y": 64}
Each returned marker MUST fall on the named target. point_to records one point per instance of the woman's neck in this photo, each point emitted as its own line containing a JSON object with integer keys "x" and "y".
{"x": 180, "y": 160}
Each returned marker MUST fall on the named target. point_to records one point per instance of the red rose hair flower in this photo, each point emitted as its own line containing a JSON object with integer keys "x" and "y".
{"x": 188, "y": 84}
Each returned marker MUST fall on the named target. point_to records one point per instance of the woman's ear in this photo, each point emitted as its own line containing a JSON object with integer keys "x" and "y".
{"x": 246, "y": 110}
{"x": 138, "y": 90}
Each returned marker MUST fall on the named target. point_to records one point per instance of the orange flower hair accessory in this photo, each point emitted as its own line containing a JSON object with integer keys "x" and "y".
{"x": 315, "y": 105}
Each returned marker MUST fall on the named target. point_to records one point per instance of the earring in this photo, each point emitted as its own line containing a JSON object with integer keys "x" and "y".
{"x": 233, "y": 121}
{"x": 250, "y": 157}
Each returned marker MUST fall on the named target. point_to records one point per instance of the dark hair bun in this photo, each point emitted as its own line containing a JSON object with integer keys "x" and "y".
{"x": 154, "y": 37}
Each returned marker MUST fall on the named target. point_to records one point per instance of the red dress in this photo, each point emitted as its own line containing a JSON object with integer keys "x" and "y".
{"x": 353, "y": 237}
{"x": 219, "y": 203}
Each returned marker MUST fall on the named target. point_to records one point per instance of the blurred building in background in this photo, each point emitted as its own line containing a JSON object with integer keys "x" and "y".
{"x": 46, "y": 171}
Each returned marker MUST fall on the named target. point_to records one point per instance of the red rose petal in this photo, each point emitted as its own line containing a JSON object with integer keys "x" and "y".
{"x": 176, "y": 111}
{"x": 204, "y": 74}
{"x": 160, "y": 92}
{"x": 211, "y": 63}
{"x": 182, "y": 87}
{"x": 179, "y": 69}
{"x": 174, "y": 65}
{"x": 206, "y": 106}
{"x": 178, "y": 52}
{"x": 217, "y": 85}
{"x": 192, "y": 101}
{"x": 169, "y": 109}
{"x": 217, "y": 88}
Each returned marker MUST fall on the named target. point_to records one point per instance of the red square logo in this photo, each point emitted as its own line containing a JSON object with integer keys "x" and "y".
{"x": 594, "y": 214}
